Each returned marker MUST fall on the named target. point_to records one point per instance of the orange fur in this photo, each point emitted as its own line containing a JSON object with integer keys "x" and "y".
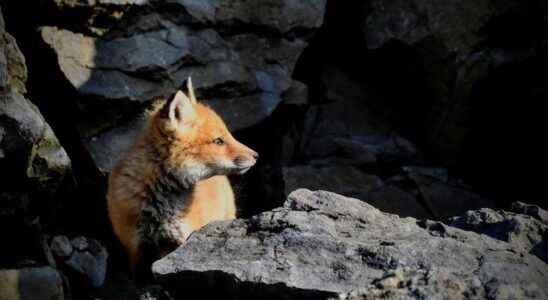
{"x": 177, "y": 162}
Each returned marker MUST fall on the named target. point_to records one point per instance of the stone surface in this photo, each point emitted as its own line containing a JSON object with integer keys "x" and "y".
{"x": 456, "y": 24}
{"x": 13, "y": 70}
{"x": 345, "y": 131}
{"x": 33, "y": 162}
{"x": 520, "y": 229}
{"x": 407, "y": 283}
{"x": 87, "y": 257}
{"x": 530, "y": 210}
{"x": 451, "y": 47}
{"x": 154, "y": 292}
{"x": 240, "y": 54}
{"x": 61, "y": 247}
{"x": 321, "y": 244}
{"x": 31, "y": 283}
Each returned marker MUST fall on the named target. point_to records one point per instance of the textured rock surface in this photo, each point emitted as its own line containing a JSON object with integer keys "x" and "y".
{"x": 321, "y": 244}
{"x": 524, "y": 228}
{"x": 87, "y": 257}
{"x": 453, "y": 46}
{"x": 33, "y": 164}
{"x": 345, "y": 147}
{"x": 240, "y": 54}
{"x": 31, "y": 283}
{"x": 27, "y": 143}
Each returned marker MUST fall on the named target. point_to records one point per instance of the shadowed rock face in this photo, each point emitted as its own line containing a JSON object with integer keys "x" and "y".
{"x": 240, "y": 54}
{"x": 33, "y": 164}
{"x": 323, "y": 244}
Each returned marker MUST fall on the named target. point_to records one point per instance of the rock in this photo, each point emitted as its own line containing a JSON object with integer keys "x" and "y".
{"x": 406, "y": 283}
{"x": 106, "y": 147}
{"x": 87, "y": 257}
{"x": 34, "y": 163}
{"x": 521, "y": 230}
{"x": 61, "y": 247}
{"x": 154, "y": 292}
{"x": 297, "y": 94}
{"x": 448, "y": 48}
{"x": 229, "y": 13}
{"x": 444, "y": 196}
{"x": 530, "y": 210}
{"x": 345, "y": 180}
{"x": 456, "y": 24}
{"x": 240, "y": 55}
{"x": 345, "y": 131}
{"x": 321, "y": 244}
{"x": 13, "y": 70}
{"x": 31, "y": 283}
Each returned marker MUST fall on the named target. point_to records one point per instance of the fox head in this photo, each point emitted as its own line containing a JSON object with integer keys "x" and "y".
{"x": 195, "y": 142}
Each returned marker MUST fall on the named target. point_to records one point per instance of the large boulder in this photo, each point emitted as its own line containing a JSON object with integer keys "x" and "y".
{"x": 33, "y": 164}
{"x": 445, "y": 49}
{"x": 320, "y": 244}
{"x": 240, "y": 54}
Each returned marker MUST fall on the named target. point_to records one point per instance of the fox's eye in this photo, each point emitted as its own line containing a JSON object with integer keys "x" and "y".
{"x": 219, "y": 141}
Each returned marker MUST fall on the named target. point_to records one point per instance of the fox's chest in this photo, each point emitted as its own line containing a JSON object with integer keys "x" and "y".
{"x": 162, "y": 219}
{"x": 173, "y": 216}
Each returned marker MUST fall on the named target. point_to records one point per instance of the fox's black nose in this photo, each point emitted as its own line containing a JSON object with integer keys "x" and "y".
{"x": 255, "y": 155}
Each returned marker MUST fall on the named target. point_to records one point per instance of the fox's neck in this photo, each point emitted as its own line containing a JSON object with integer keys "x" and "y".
{"x": 170, "y": 184}
{"x": 169, "y": 197}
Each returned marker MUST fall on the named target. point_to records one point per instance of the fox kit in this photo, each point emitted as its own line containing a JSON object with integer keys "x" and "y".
{"x": 172, "y": 180}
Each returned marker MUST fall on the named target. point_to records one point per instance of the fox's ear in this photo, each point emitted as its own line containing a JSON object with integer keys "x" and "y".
{"x": 190, "y": 89}
{"x": 181, "y": 110}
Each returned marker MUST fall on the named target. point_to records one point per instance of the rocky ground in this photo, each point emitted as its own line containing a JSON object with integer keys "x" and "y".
{"x": 427, "y": 112}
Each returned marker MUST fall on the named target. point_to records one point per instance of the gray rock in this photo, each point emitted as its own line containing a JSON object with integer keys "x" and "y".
{"x": 530, "y": 210}
{"x": 229, "y": 13}
{"x": 407, "y": 283}
{"x": 90, "y": 260}
{"x": 297, "y": 94}
{"x": 13, "y": 70}
{"x": 321, "y": 244}
{"x": 34, "y": 283}
{"x": 106, "y": 147}
{"x": 91, "y": 3}
{"x": 521, "y": 230}
{"x": 344, "y": 180}
{"x": 26, "y": 134}
{"x": 456, "y": 24}
{"x": 29, "y": 149}
{"x": 449, "y": 42}
{"x": 345, "y": 131}
{"x": 240, "y": 113}
{"x": 87, "y": 257}
{"x": 61, "y": 246}
{"x": 154, "y": 292}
